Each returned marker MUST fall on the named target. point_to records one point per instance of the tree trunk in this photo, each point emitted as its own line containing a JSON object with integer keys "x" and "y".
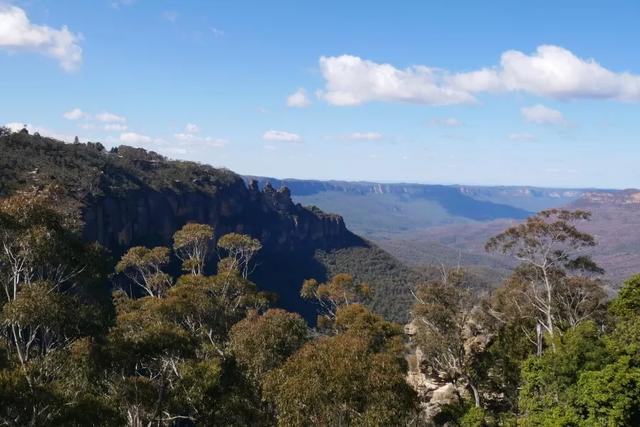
{"x": 476, "y": 394}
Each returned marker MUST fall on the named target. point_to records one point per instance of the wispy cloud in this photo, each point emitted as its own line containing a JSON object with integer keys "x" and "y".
{"x": 541, "y": 115}
{"x": 107, "y": 117}
{"x": 445, "y": 122}
{"x": 364, "y": 136}
{"x": 280, "y": 135}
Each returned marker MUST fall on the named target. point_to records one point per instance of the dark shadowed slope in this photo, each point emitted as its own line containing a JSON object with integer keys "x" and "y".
{"x": 130, "y": 197}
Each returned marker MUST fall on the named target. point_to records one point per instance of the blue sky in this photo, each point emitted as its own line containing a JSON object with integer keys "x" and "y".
{"x": 543, "y": 93}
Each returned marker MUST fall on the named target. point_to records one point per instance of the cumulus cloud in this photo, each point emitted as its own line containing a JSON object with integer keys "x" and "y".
{"x": 556, "y": 72}
{"x": 550, "y": 71}
{"x": 75, "y": 114}
{"x": 350, "y": 80}
{"x": 541, "y": 115}
{"x": 364, "y": 136}
{"x": 135, "y": 138}
{"x": 18, "y": 33}
{"x": 522, "y": 137}
{"x": 298, "y": 99}
{"x": 110, "y": 118}
{"x": 280, "y": 135}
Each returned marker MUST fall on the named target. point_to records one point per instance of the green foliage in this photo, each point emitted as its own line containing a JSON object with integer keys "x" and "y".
{"x": 88, "y": 170}
{"x": 208, "y": 351}
{"x": 191, "y": 244}
{"x": 261, "y": 343}
{"x": 341, "y": 290}
{"x": 447, "y": 333}
{"x": 549, "y": 382}
{"x": 611, "y": 396}
{"x": 627, "y": 303}
{"x": 341, "y": 380}
{"x": 241, "y": 249}
{"x": 144, "y": 267}
{"x": 389, "y": 280}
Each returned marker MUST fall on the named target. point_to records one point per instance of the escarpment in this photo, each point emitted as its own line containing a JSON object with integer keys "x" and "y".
{"x": 150, "y": 216}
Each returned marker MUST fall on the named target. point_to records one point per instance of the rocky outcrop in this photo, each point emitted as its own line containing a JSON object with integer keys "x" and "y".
{"x": 149, "y": 216}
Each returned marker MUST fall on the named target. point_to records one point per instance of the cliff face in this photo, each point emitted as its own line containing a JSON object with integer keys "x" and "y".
{"x": 131, "y": 196}
{"x": 149, "y": 216}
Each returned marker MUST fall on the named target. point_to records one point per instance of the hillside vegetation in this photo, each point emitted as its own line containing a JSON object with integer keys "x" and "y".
{"x": 189, "y": 347}
{"x": 130, "y": 196}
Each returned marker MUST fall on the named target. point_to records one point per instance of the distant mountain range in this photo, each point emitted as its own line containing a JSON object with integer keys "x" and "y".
{"x": 423, "y": 224}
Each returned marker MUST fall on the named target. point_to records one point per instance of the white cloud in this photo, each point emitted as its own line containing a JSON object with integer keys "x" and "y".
{"x": 110, "y": 118}
{"x": 539, "y": 114}
{"x": 445, "y": 122}
{"x": 551, "y": 71}
{"x": 298, "y": 99}
{"x": 75, "y": 114}
{"x": 555, "y": 72}
{"x": 521, "y": 137}
{"x": 351, "y": 80}
{"x": 18, "y": 33}
{"x": 191, "y": 128}
{"x": 364, "y": 136}
{"x": 280, "y": 135}
{"x": 135, "y": 138}
{"x": 115, "y": 127}
{"x": 16, "y": 126}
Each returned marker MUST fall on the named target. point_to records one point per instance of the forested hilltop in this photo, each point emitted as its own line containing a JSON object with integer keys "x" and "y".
{"x": 175, "y": 331}
{"x": 129, "y": 196}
